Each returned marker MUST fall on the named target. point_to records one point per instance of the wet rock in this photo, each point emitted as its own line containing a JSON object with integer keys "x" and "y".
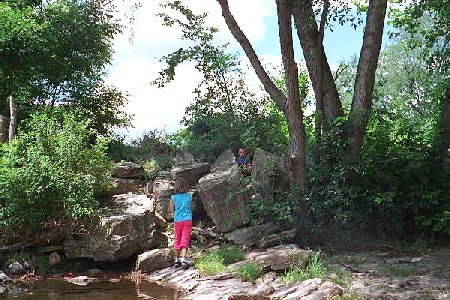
{"x": 54, "y": 259}
{"x": 128, "y": 170}
{"x": 220, "y": 289}
{"x": 277, "y": 239}
{"x": 191, "y": 173}
{"x": 16, "y": 268}
{"x": 249, "y": 236}
{"x": 127, "y": 229}
{"x": 224, "y": 198}
{"x": 162, "y": 190}
{"x": 154, "y": 260}
{"x": 80, "y": 280}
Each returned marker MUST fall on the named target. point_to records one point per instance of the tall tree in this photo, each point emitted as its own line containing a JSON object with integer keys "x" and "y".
{"x": 55, "y": 54}
{"x": 311, "y": 40}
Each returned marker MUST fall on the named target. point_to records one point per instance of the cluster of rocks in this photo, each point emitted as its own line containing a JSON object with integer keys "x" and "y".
{"x": 269, "y": 286}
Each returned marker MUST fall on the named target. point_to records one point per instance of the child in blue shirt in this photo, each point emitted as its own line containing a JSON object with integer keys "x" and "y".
{"x": 182, "y": 201}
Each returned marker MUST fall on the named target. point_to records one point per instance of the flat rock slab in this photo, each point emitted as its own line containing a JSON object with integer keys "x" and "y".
{"x": 219, "y": 289}
{"x": 278, "y": 258}
{"x": 182, "y": 279}
{"x": 250, "y": 236}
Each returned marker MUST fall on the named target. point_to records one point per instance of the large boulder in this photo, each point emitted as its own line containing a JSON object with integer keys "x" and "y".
{"x": 225, "y": 199}
{"x": 155, "y": 259}
{"x": 269, "y": 170}
{"x": 191, "y": 173}
{"x": 162, "y": 190}
{"x": 128, "y": 170}
{"x": 127, "y": 229}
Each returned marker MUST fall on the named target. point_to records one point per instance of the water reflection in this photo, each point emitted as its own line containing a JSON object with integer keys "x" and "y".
{"x": 60, "y": 290}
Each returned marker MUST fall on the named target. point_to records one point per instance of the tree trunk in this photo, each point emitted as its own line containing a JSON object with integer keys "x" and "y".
{"x": 365, "y": 77}
{"x": 294, "y": 113}
{"x": 290, "y": 105}
{"x": 13, "y": 118}
{"x": 236, "y": 31}
{"x": 442, "y": 140}
{"x": 319, "y": 70}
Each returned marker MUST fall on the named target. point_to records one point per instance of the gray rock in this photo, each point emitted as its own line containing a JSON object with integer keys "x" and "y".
{"x": 128, "y": 170}
{"x": 191, "y": 173}
{"x": 127, "y": 229}
{"x": 184, "y": 158}
{"x": 224, "y": 198}
{"x": 269, "y": 170}
{"x": 3, "y": 277}
{"x": 154, "y": 260}
{"x": 303, "y": 289}
{"x": 249, "y": 236}
{"x": 277, "y": 259}
{"x": 327, "y": 290}
{"x": 125, "y": 185}
{"x": 16, "y": 268}
{"x": 277, "y": 239}
{"x": 162, "y": 190}
{"x": 80, "y": 280}
{"x": 54, "y": 259}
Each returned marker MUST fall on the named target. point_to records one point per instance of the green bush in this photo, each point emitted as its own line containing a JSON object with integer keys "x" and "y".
{"x": 152, "y": 150}
{"x": 52, "y": 172}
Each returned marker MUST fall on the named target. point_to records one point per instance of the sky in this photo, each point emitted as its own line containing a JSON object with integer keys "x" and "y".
{"x": 136, "y": 61}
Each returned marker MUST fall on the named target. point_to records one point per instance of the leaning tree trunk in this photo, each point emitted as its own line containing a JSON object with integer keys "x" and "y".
{"x": 365, "y": 77}
{"x": 13, "y": 118}
{"x": 290, "y": 104}
{"x": 294, "y": 113}
{"x": 442, "y": 139}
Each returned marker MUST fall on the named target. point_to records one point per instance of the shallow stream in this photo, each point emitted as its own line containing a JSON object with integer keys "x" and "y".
{"x": 61, "y": 290}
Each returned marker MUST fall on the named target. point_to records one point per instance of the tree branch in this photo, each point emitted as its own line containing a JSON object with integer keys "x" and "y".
{"x": 269, "y": 86}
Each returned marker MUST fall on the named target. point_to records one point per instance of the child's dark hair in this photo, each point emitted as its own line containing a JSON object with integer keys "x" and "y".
{"x": 180, "y": 186}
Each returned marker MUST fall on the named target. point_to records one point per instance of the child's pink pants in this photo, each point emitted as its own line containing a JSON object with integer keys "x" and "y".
{"x": 182, "y": 234}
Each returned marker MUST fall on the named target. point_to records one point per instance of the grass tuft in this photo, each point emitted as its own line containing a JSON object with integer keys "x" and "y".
{"x": 250, "y": 271}
{"x": 215, "y": 261}
{"x": 315, "y": 268}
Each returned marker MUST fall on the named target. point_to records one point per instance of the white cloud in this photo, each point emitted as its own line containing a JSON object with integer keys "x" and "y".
{"x": 136, "y": 64}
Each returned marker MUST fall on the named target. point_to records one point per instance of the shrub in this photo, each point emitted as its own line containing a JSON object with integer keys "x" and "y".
{"x": 52, "y": 172}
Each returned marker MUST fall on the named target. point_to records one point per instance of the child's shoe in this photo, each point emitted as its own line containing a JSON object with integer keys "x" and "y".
{"x": 177, "y": 264}
{"x": 185, "y": 265}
